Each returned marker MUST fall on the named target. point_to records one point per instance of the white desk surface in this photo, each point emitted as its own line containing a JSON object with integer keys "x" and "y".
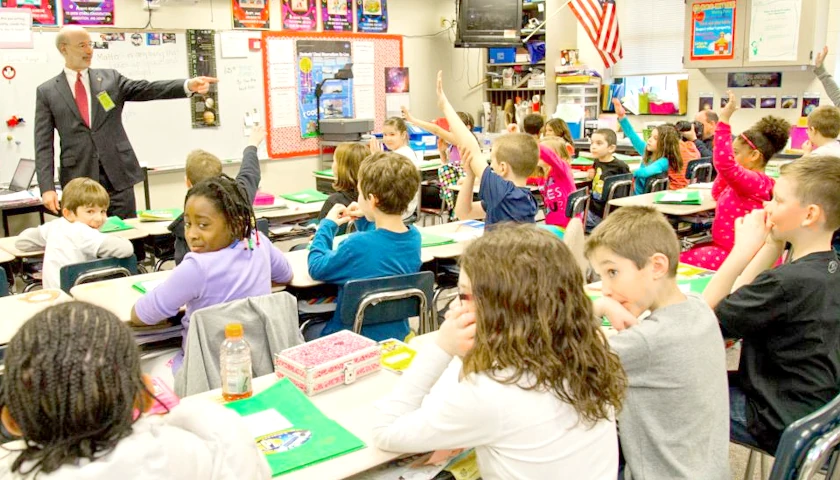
{"x": 17, "y": 309}
{"x": 7, "y": 244}
{"x": 292, "y": 210}
{"x": 116, "y": 294}
{"x": 707, "y": 203}
{"x": 352, "y": 407}
{"x": 6, "y": 256}
{"x": 151, "y": 228}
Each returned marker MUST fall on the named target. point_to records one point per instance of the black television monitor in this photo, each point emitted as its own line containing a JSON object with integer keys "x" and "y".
{"x": 489, "y": 23}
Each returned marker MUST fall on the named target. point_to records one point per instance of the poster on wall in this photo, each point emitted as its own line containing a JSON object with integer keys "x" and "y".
{"x": 318, "y": 60}
{"x": 372, "y": 16}
{"x": 706, "y": 102}
{"x": 713, "y": 30}
{"x": 251, "y": 14}
{"x": 768, "y": 101}
{"x": 299, "y": 15}
{"x": 774, "y": 30}
{"x": 88, "y": 13}
{"x": 790, "y": 101}
{"x": 201, "y": 61}
{"x": 43, "y": 11}
{"x": 810, "y": 101}
{"x": 337, "y": 15}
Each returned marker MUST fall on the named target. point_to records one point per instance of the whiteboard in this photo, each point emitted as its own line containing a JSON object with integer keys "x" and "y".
{"x": 160, "y": 131}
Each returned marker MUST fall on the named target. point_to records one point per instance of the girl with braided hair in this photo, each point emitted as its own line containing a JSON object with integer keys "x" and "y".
{"x": 228, "y": 259}
{"x": 73, "y": 392}
{"x": 741, "y": 185}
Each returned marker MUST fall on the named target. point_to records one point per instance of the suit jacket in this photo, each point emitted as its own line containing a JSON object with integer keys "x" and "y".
{"x": 83, "y": 147}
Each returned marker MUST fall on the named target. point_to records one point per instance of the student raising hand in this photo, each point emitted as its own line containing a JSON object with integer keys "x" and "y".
{"x": 729, "y": 109}
{"x": 619, "y": 108}
{"x": 442, "y": 101}
{"x": 821, "y": 57}
{"x": 375, "y": 145}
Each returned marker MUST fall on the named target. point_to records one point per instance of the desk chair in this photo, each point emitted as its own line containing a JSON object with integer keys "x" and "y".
{"x": 96, "y": 270}
{"x": 386, "y": 299}
{"x": 805, "y": 447}
{"x": 617, "y": 186}
{"x": 4, "y": 283}
{"x": 657, "y": 183}
{"x": 262, "y": 227}
{"x": 699, "y": 170}
{"x": 438, "y": 211}
{"x": 578, "y": 204}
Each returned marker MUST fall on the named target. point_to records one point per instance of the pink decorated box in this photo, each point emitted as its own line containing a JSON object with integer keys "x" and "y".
{"x": 328, "y": 362}
{"x": 262, "y": 199}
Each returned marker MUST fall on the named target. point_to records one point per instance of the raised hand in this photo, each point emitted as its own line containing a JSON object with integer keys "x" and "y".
{"x": 729, "y": 109}
{"x": 821, "y": 57}
{"x": 619, "y": 108}
{"x": 257, "y": 135}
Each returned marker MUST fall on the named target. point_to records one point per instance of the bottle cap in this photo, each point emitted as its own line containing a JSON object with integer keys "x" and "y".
{"x": 233, "y": 330}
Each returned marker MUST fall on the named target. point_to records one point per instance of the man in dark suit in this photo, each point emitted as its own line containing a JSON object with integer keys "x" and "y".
{"x": 85, "y": 105}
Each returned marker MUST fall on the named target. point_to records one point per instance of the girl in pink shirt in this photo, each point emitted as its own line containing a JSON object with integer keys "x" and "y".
{"x": 559, "y": 183}
{"x": 741, "y": 185}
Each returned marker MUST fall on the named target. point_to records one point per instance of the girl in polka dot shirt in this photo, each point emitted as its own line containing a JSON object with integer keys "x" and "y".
{"x": 741, "y": 185}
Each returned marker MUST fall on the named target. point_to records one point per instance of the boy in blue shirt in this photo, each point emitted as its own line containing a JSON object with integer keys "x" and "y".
{"x": 513, "y": 157}
{"x": 381, "y": 247}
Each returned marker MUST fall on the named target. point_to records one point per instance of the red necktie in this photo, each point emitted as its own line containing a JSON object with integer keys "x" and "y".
{"x": 82, "y": 99}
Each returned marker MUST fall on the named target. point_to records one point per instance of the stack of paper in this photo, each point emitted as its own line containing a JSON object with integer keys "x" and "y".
{"x": 167, "y": 214}
{"x": 290, "y": 430}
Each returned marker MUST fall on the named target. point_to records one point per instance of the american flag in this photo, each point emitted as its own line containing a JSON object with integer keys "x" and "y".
{"x": 600, "y": 20}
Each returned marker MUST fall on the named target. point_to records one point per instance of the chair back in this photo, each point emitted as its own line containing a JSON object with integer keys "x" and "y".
{"x": 617, "y": 186}
{"x": 699, "y": 170}
{"x": 656, "y": 183}
{"x": 807, "y": 444}
{"x": 577, "y": 202}
{"x": 4, "y": 283}
{"x": 96, "y": 270}
{"x": 262, "y": 226}
{"x": 388, "y": 299}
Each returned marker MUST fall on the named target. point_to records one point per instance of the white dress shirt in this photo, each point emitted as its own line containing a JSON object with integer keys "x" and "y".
{"x": 71, "y": 79}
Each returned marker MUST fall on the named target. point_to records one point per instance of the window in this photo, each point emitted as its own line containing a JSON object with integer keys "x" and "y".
{"x": 652, "y": 37}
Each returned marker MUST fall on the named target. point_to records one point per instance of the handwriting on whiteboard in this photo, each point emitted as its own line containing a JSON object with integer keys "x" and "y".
{"x": 246, "y": 77}
{"x": 138, "y": 64}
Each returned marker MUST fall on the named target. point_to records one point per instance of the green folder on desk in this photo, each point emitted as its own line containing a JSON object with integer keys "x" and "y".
{"x": 627, "y": 158}
{"x": 680, "y": 197}
{"x": 114, "y": 224}
{"x": 582, "y": 162}
{"x": 432, "y": 240}
{"x": 310, "y": 195}
{"x": 325, "y": 173}
{"x": 290, "y": 430}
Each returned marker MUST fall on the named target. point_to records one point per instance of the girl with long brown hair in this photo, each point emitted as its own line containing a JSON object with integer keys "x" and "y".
{"x": 539, "y": 388}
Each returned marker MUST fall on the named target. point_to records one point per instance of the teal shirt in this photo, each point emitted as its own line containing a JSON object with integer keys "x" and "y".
{"x": 367, "y": 253}
{"x": 645, "y": 171}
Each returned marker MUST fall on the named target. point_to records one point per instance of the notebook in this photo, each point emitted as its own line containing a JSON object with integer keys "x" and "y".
{"x": 310, "y": 195}
{"x": 114, "y": 224}
{"x": 432, "y": 240}
{"x": 682, "y": 197}
{"x": 159, "y": 215}
{"x": 290, "y": 430}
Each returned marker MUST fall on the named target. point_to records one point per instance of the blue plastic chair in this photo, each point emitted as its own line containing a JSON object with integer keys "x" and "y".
{"x": 4, "y": 283}
{"x": 808, "y": 443}
{"x": 657, "y": 183}
{"x": 387, "y": 299}
{"x": 699, "y": 170}
{"x": 96, "y": 270}
{"x": 576, "y": 204}
{"x": 616, "y": 186}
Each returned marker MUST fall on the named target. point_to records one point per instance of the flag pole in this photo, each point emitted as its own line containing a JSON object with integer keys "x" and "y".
{"x": 546, "y": 20}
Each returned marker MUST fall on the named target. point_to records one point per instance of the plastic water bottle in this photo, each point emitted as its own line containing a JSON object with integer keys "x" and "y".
{"x": 235, "y": 361}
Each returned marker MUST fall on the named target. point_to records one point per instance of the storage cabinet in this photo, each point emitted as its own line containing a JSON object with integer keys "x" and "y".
{"x": 766, "y": 33}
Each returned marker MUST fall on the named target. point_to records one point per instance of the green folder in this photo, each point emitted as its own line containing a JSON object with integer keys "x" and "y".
{"x": 627, "y": 158}
{"x": 114, "y": 224}
{"x": 680, "y": 197}
{"x": 582, "y": 162}
{"x": 429, "y": 164}
{"x": 694, "y": 285}
{"x": 432, "y": 240}
{"x": 325, "y": 173}
{"x": 310, "y": 195}
{"x": 309, "y": 437}
{"x": 159, "y": 215}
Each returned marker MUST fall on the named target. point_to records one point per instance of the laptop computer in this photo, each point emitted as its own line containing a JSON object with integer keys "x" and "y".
{"x": 22, "y": 179}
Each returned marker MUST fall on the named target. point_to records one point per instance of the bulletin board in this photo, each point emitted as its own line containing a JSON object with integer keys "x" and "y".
{"x": 285, "y": 140}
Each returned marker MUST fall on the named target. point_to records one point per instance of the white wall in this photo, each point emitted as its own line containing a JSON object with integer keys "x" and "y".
{"x": 714, "y": 81}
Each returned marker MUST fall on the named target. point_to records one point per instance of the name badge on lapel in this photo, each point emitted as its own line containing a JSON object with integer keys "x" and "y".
{"x": 105, "y": 101}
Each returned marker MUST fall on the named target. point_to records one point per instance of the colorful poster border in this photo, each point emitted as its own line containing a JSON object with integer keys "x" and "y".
{"x": 250, "y": 14}
{"x": 44, "y": 14}
{"x": 299, "y": 15}
{"x": 713, "y": 30}
{"x": 372, "y": 16}
{"x": 337, "y": 22}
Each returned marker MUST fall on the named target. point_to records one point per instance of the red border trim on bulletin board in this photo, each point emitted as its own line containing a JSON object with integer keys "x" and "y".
{"x": 310, "y": 145}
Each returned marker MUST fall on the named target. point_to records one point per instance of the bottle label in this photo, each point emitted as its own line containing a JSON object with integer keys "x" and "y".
{"x": 238, "y": 378}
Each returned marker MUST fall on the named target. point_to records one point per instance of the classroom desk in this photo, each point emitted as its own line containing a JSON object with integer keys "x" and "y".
{"x": 8, "y": 243}
{"x": 152, "y": 229}
{"x": 293, "y": 210}
{"x": 116, "y": 294}
{"x": 299, "y": 260}
{"x": 10, "y": 209}
{"x": 17, "y": 309}
{"x": 707, "y": 203}
{"x": 6, "y": 256}
{"x": 352, "y": 407}
{"x": 324, "y": 182}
